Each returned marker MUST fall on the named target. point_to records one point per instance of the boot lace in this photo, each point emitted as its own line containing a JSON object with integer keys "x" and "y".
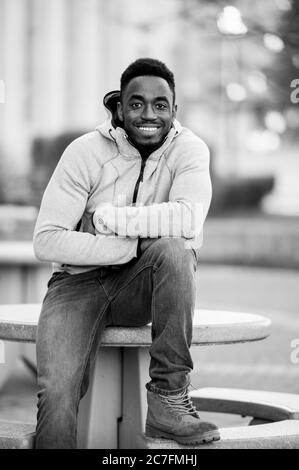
{"x": 180, "y": 404}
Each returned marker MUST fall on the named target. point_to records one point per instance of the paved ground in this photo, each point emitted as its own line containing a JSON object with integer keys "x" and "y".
{"x": 18, "y": 397}
{"x": 264, "y": 365}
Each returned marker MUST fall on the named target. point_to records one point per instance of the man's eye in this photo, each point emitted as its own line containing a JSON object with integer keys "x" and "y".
{"x": 161, "y": 106}
{"x": 136, "y": 105}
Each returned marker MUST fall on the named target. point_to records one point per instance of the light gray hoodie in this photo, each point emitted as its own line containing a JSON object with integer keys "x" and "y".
{"x": 103, "y": 167}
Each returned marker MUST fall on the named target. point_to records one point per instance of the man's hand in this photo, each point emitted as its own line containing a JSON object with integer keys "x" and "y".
{"x": 98, "y": 219}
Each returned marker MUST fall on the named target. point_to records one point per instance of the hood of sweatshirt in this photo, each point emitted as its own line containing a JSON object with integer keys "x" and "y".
{"x": 112, "y": 128}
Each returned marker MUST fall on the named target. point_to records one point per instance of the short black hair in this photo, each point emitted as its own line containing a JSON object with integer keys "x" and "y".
{"x": 147, "y": 66}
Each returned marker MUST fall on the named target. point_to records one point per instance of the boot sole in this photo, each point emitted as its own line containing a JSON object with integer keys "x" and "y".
{"x": 210, "y": 436}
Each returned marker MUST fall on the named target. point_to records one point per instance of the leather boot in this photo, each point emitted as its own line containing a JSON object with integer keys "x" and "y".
{"x": 175, "y": 417}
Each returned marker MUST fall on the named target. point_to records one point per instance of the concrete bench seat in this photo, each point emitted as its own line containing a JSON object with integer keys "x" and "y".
{"x": 278, "y": 435}
{"x": 16, "y": 435}
{"x": 269, "y": 406}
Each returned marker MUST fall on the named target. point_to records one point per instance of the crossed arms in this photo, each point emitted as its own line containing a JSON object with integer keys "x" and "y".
{"x": 66, "y": 196}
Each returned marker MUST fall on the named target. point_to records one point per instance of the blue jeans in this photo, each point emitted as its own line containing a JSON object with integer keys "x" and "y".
{"x": 157, "y": 287}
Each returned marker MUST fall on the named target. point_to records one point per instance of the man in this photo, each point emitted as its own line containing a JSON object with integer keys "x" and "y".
{"x": 120, "y": 219}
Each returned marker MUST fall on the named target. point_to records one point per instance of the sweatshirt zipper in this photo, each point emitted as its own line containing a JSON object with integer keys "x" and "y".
{"x": 139, "y": 180}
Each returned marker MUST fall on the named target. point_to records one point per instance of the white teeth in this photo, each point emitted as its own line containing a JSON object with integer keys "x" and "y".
{"x": 148, "y": 129}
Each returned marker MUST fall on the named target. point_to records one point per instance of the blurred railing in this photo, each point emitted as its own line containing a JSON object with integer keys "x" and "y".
{"x": 257, "y": 240}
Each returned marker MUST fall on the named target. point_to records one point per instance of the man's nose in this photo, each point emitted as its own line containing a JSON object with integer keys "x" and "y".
{"x": 148, "y": 113}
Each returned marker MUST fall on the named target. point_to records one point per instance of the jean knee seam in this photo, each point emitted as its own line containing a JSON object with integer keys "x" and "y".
{"x": 153, "y": 311}
{"x": 102, "y": 285}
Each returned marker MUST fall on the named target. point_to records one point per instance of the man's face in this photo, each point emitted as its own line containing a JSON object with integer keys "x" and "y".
{"x": 147, "y": 111}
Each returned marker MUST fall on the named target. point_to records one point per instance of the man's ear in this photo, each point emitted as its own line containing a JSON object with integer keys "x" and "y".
{"x": 120, "y": 111}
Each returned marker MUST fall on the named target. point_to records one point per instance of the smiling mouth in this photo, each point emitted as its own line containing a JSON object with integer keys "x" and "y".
{"x": 148, "y": 129}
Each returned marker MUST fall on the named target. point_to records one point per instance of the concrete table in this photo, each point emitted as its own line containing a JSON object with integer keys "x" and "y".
{"x": 113, "y": 412}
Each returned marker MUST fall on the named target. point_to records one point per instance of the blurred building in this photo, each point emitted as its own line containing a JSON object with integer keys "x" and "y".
{"x": 58, "y": 58}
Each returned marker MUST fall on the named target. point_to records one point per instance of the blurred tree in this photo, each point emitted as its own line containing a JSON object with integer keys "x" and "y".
{"x": 285, "y": 67}
{"x": 46, "y": 152}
